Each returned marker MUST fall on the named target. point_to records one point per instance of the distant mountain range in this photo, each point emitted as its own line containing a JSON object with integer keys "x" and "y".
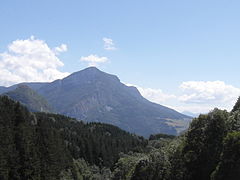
{"x": 95, "y": 96}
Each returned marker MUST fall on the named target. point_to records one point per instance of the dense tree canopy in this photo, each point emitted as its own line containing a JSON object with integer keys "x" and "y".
{"x": 43, "y": 146}
{"x": 209, "y": 149}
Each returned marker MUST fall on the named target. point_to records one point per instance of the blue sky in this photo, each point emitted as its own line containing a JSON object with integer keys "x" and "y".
{"x": 182, "y": 54}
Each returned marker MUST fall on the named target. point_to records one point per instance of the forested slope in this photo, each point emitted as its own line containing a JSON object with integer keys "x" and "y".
{"x": 48, "y": 146}
{"x": 44, "y": 146}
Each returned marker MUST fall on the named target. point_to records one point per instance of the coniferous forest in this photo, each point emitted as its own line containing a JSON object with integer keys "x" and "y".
{"x": 44, "y": 146}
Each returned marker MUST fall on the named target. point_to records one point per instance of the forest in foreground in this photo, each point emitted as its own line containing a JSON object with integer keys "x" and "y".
{"x": 39, "y": 146}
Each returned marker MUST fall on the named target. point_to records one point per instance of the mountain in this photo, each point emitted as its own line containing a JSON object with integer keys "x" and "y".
{"x": 30, "y": 98}
{"x": 93, "y": 95}
{"x": 40, "y": 146}
{"x": 3, "y": 89}
{"x": 33, "y": 85}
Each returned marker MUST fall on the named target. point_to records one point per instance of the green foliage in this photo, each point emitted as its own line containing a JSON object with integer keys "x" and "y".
{"x": 97, "y": 143}
{"x": 45, "y": 146}
{"x": 203, "y": 144}
{"x": 26, "y": 151}
{"x": 18, "y": 152}
{"x": 175, "y": 152}
{"x": 199, "y": 154}
{"x": 82, "y": 170}
{"x": 155, "y": 167}
{"x": 154, "y": 164}
{"x": 161, "y": 136}
{"x": 234, "y": 121}
{"x": 237, "y": 105}
{"x": 126, "y": 165}
{"x": 229, "y": 165}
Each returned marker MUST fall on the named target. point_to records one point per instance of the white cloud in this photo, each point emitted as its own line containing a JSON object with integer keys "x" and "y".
{"x": 61, "y": 48}
{"x": 30, "y": 60}
{"x": 108, "y": 44}
{"x": 208, "y": 92}
{"x": 203, "y": 96}
{"x": 154, "y": 95}
{"x": 195, "y": 96}
{"x": 94, "y": 60}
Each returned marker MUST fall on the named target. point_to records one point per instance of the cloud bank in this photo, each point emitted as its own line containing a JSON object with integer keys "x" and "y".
{"x": 200, "y": 92}
{"x": 30, "y": 60}
{"x": 195, "y": 96}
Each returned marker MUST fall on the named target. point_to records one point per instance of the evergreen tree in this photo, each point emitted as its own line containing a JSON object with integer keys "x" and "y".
{"x": 229, "y": 165}
{"x": 237, "y": 105}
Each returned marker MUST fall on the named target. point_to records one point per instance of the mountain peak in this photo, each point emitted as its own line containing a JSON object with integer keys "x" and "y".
{"x": 91, "y": 73}
{"x": 92, "y": 68}
{"x": 88, "y": 71}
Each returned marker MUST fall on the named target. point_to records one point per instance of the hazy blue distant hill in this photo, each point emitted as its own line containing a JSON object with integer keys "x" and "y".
{"x": 33, "y": 85}
{"x": 2, "y": 89}
{"x": 30, "y": 98}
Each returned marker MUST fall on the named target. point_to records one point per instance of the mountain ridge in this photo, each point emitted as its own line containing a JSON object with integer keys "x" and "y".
{"x": 95, "y": 96}
{"x": 29, "y": 98}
